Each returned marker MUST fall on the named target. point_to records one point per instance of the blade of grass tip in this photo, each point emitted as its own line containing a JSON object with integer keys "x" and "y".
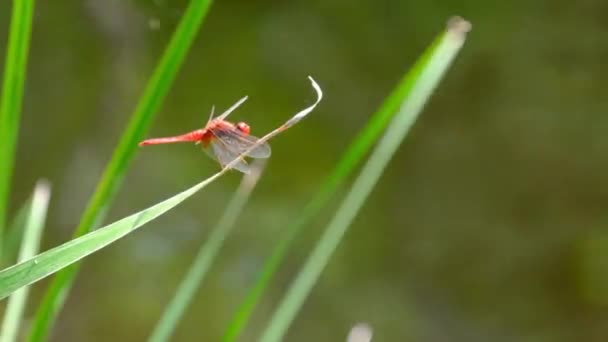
{"x": 351, "y": 158}
{"x": 11, "y": 98}
{"x": 55, "y": 259}
{"x": 148, "y": 105}
{"x": 361, "y": 332}
{"x": 367, "y": 179}
{"x": 14, "y": 232}
{"x": 29, "y": 248}
{"x": 205, "y": 257}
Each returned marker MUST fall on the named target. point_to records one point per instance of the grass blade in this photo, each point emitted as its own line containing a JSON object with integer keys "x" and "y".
{"x": 367, "y": 179}
{"x": 154, "y": 93}
{"x": 11, "y": 99}
{"x": 205, "y": 257}
{"x": 14, "y": 233}
{"x": 53, "y": 260}
{"x": 29, "y": 248}
{"x": 351, "y": 158}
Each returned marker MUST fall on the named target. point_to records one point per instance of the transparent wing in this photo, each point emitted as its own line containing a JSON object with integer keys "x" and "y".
{"x": 238, "y": 143}
{"x": 225, "y": 156}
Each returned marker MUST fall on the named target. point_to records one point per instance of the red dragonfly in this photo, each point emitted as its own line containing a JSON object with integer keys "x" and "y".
{"x": 222, "y": 140}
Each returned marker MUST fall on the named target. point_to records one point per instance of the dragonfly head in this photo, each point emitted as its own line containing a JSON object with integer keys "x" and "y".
{"x": 243, "y": 127}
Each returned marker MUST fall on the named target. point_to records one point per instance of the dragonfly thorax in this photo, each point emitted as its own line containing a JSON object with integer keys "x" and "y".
{"x": 243, "y": 127}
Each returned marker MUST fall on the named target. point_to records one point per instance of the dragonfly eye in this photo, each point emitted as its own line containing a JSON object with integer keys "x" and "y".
{"x": 243, "y": 127}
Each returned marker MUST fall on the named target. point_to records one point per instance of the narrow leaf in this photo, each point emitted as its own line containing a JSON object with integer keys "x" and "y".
{"x": 157, "y": 88}
{"x": 205, "y": 257}
{"x": 367, "y": 179}
{"x": 29, "y": 247}
{"x": 12, "y": 98}
{"x": 347, "y": 164}
{"x": 53, "y": 260}
{"x": 14, "y": 233}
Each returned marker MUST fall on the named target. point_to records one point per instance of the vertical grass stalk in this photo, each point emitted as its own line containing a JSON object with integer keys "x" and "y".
{"x": 29, "y": 247}
{"x": 205, "y": 257}
{"x": 12, "y": 98}
{"x": 349, "y": 161}
{"x": 367, "y": 179}
{"x": 157, "y": 88}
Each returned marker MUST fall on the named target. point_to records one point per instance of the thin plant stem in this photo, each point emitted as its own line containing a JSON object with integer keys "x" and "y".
{"x": 205, "y": 257}
{"x": 12, "y": 98}
{"x": 365, "y": 182}
{"x": 157, "y": 88}
{"x": 347, "y": 164}
{"x": 29, "y": 247}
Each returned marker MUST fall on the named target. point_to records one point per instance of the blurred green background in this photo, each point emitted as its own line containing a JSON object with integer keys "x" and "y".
{"x": 489, "y": 224}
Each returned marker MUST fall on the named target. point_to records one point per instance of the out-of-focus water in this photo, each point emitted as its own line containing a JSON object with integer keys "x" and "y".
{"x": 489, "y": 224}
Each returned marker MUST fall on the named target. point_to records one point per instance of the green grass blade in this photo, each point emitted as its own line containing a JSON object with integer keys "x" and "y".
{"x": 14, "y": 233}
{"x": 155, "y": 91}
{"x": 351, "y": 158}
{"x": 367, "y": 179}
{"x": 11, "y": 98}
{"x": 53, "y": 260}
{"x": 204, "y": 259}
{"x": 29, "y": 248}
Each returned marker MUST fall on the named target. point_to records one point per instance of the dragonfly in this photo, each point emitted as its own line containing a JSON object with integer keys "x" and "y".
{"x": 222, "y": 140}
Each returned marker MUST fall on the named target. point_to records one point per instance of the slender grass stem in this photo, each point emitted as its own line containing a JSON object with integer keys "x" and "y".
{"x": 12, "y": 98}
{"x": 44, "y": 264}
{"x": 205, "y": 257}
{"x": 29, "y": 247}
{"x": 365, "y": 182}
{"x": 347, "y": 164}
{"x": 149, "y": 103}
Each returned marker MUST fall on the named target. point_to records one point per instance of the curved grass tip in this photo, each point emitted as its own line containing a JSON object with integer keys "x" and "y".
{"x": 301, "y": 114}
{"x": 458, "y": 26}
{"x": 294, "y": 120}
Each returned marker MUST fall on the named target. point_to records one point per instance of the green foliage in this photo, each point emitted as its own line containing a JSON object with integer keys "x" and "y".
{"x": 55, "y": 259}
{"x": 11, "y": 98}
{"x": 351, "y": 158}
{"x": 407, "y": 101}
{"x": 51, "y": 261}
{"x": 29, "y": 247}
{"x": 424, "y": 83}
{"x": 62, "y": 256}
{"x": 14, "y": 233}
{"x": 204, "y": 259}
{"x": 148, "y": 106}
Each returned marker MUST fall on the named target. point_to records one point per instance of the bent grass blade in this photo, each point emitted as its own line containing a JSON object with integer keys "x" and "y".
{"x": 55, "y": 259}
{"x": 14, "y": 233}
